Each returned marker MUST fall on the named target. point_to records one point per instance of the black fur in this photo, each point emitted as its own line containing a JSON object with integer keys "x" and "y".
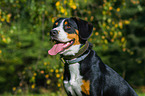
{"x": 85, "y": 28}
{"x": 104, "y": 81}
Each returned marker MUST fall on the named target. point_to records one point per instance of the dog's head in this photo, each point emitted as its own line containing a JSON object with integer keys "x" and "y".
{"x": 69, "y": 34}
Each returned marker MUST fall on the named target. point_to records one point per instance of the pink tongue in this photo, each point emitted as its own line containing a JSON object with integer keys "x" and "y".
{"x": 56, "y": 49}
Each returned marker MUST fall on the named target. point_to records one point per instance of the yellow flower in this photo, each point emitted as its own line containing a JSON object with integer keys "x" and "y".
{"x": 112, "y": 40}
{"x": 0, "y": 51}
{"x": 48, "y": 81}
{"x": 104, "y": 24}
{"x": 52, "y": 20}
{"x": 58, "y": 84}
{"x": 8, "y": 20}
{"x": 46, "y": 76}
{"x": 42, "y": 72}
{"x": 94, "y": 29}
{"x": 103, "y": 37}
{"x": 118, "y": 9}
{"x": 20, "y": 90}
{"x": 61, "y": 77}
{"x": 110, "y": 8}
{"x": 35, "y": 74}
{"x": 2, "y": 19}
{"x": 65, "y": 13}
{"x": 104, "y": 12}
{"x": 73, "y": 6}
{"x": 115, "y": 35}
{"x": 33, "y": 86}
{"x": 119, "y": 33}
{"x": 96, "y": 33}
{"x": 9, "y": 15}
{"x": 106, "y": 42}
{"x": 86, "y": 18}
{"x": 56, "y": 70}
{"x": 33, "y": 78}
{"x": 113, "y": 22}
{"x": 116, "y": 25}
{"x": 65, "y": 1}
{"x": 107, "y": 27}
{"x": 62, "y": 10}
{"x": 105, "y": 32}
{"x": 57, "y": 75}
{"x": 92, "y": 18}
{"x": 120, "y": 25}
{"x": 127, "y": 22}
{"x": 14, "y": 88}
{"x": 122, "y": 39}
{"x": 57, "y": 3}
{"x": 111, "y": 33}
{"x": 109, "y": 20}
{"x": 4, "y": 40}
{"x": 51, "y": 70}
{"x": 45, "y": 63}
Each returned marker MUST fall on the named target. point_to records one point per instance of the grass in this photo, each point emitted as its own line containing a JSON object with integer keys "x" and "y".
{"x": 43, "y": 93}
{"x": 48, "y": 94}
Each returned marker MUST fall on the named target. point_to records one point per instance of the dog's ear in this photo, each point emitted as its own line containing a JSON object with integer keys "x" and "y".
{"x": 85, "y": 28}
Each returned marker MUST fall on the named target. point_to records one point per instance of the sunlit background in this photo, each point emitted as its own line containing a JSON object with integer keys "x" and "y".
{"x": 27, "y": 69}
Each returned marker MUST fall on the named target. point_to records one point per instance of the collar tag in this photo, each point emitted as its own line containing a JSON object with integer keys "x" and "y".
{"x": 63, "y": 60}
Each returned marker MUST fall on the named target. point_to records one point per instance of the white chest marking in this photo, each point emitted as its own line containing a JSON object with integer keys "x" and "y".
{"x": 75, "y": 80}
{"x": 72, "y": 50}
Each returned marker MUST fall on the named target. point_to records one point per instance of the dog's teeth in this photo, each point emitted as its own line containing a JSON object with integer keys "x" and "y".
{"x": 66, "y": 44}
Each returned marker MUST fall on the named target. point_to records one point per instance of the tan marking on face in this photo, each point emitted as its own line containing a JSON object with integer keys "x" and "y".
{"x": 74, "y": 36}
{"x": 56, "y": 23}
{"x": 77, "y": 31}
{"x": 65, "y": 23}
{"x": 86, "y": 87}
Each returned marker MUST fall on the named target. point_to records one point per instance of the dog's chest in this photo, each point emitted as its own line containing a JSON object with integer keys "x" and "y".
{"x": 74, "y": 84}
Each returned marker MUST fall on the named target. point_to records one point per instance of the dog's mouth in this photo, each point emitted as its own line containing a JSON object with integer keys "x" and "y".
{"x": 60, "y": 46}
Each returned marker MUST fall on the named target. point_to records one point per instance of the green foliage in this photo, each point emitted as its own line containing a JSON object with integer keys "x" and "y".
{"x": 118, "y": 37}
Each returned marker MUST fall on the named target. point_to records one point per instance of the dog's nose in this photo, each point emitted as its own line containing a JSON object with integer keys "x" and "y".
{"x": 53, "y": 32}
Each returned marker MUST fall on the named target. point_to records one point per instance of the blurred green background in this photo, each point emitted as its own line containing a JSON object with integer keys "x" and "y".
{"x": 27, "y": 69}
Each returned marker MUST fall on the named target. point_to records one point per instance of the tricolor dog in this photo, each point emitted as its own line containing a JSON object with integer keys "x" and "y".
{"x": 85, "y": 74}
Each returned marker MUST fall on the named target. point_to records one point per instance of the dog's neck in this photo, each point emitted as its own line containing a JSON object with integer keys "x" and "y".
{"x": 77, "y": 55}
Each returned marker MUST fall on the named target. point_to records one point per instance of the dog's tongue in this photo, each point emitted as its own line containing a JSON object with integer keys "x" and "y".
{"x": 56, "y": 49}
{"x": 59, "y": 47}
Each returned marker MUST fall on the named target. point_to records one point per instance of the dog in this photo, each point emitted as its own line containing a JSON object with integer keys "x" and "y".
{"x": 85, "y": 74}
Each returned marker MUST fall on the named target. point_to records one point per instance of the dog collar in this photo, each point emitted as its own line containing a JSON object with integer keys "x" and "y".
{"x": 76, "y": 58}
